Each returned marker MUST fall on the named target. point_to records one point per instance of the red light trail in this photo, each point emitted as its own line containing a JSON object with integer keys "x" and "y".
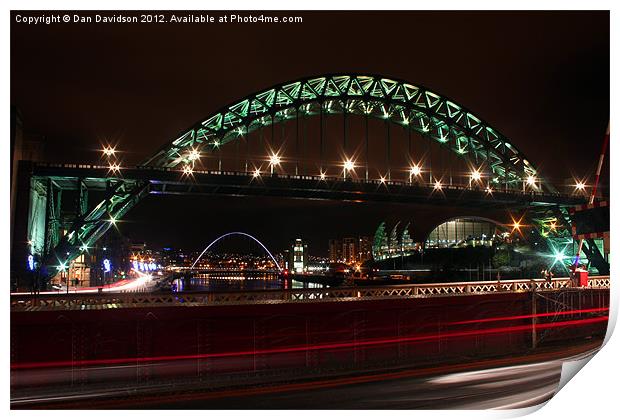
{"x": 540, "y": 315}
{"x": 326, "y": 346}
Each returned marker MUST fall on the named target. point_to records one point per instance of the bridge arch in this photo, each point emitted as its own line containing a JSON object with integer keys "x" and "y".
{"x": 399, "y": 102}
{"x": 236, "y": 234}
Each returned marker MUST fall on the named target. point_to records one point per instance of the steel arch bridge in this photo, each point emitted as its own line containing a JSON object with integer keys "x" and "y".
{"x": 247, "y": 235}
{"x": 413, "y": 107}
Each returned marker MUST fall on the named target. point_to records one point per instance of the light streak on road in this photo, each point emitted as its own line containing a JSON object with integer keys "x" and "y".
{"x": 137, "y": 284}
{"x": 325, "y": 346}
{"x": 528, "y": 316}
{"x": 513, "y": 382}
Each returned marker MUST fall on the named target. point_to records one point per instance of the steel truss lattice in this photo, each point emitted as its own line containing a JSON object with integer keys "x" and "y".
{"x": 411, "y": 106}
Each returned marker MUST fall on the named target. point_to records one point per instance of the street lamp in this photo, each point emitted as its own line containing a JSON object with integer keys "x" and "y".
{"x": 188, "y": 170}
{"x": 348, "y": 165}
{"x": 531, "y": 180}
{"x": 256, "y": 173}
{"x": 63, "y": 274}
{"x": 474, "y": 175}
{"x": 414, "y": 171}
{"x": 274, "y": 160}
{"x": 109, "y": 151}
{"x": 437, "y": 185}
{"x": 194, "y": 154}
{"x": 114, "y": 168}
{"x": 516, "y": 225}
{"x": 580, "y": 187}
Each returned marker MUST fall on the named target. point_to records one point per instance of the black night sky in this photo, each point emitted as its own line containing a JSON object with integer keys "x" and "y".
{"x": 541, "y": 78}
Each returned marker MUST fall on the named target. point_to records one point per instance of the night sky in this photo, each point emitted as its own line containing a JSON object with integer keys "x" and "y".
{"x": 541, "y": 78}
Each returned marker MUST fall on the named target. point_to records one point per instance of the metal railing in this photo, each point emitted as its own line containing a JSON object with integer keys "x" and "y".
{"x": 137, "y": 300}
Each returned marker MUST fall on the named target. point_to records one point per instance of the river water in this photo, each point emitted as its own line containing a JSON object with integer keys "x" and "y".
{"x": 240, "y": 282}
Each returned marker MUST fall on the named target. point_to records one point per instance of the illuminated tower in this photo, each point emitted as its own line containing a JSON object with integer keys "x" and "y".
{"x": 349, "y": 250}
{"x": 335, "y": 250}
{"x": 299, "y": 256}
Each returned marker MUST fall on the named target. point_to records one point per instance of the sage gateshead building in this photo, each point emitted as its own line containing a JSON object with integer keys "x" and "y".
{"x": 397, "y": 244}
{"x": 465, "y": 231}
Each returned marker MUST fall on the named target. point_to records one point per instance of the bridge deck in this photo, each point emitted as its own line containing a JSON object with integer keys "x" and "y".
{"x": 172, "y": 181}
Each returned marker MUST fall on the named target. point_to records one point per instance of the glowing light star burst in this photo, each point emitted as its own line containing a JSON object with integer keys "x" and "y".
{"x": 349, "y": 165}
{"x": 322, "y": 176}
{"x": 517, "y": 224}
{"x": 194, "y": 155}
{"x": 580, "y": 186}
{"x": 415, "y": 170}
{"x": 274, "y": 159}
{"x": 188, "y": 170}
{"x": 475, "y": 175}
{"x": 438, "y": 185}
{"x": 114, "y": 167}
{"x": 256, "y": 173}
{"x": 109, "y": 151}
{"x": 531, "y": 180}
{"x": 558, "y": 256}
{"x": 113, "y": 220}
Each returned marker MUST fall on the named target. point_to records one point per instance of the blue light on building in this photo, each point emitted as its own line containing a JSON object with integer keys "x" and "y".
{"x": 106, "y": 266}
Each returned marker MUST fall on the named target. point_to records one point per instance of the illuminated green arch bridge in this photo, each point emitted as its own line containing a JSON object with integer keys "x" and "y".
{"x": 498, "y": 173}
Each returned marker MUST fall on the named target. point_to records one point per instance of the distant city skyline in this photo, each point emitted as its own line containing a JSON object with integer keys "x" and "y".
{"x": 279, "y": 225}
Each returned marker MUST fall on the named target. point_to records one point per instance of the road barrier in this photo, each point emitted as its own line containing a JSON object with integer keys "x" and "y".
{"x": 135, "y": 300}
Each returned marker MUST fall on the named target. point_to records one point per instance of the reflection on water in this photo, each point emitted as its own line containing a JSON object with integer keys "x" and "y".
{"x": 236, "y": 282}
